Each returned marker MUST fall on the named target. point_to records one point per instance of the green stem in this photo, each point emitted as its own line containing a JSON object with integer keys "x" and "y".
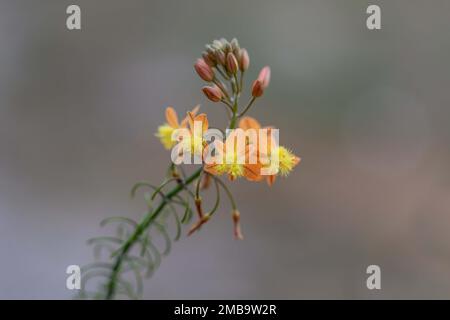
{"x": 222, "y": 88}
{"x": 235, "y": 111}
{"x": 227, "y": 191}
{"x": 241, "y": 81}
{"x": 197, "y": 187}
{"x": 238, "y": 87}
{"x": 216, "y": 205}
{"x": 227, "y": 104}
{"x": 247, "y": 107}
{"x": 143, "y": 225}
{"x": 222, "y": 73}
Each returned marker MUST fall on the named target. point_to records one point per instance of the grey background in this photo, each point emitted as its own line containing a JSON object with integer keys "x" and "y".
{"x": 368, "y": 111}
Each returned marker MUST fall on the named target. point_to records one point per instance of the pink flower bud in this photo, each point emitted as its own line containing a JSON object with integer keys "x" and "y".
{"x": 257, "y": 90}
{"x": 232, "y": 64}
{"x": 261, "y": 83}
{"x": 204, "y": 71}
{"x": 244, "y": 60}
{"x": 264, "y": 76}
{"x": 235, "y": 47}
{"x": 220, "y": 57}
{"x": 213, "y": 93}
{"x": 207, "y": 57}
{"x": 234, "y": 44}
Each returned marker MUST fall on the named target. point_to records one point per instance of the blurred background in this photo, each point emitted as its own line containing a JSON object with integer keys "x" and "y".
{"x": 368, "y": 112}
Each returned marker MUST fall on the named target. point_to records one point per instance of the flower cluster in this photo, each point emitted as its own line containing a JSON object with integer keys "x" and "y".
{"x": 244, "y": 149}
{"x": 222, "y": 66}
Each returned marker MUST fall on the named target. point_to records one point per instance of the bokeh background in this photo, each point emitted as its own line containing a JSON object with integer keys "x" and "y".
{"x": 368, "y": 112}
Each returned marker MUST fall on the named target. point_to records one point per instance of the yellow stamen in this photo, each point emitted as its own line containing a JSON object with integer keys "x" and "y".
{"x": 287, "y": 161}
{"x": 165, "y": 135}
{"x": 235, "y": 170}
{"x": 230, "y": 166}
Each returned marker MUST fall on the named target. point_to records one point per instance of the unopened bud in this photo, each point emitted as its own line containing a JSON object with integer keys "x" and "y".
{"x": 232, "y": 64}
{"x": 204, "y": 70}
{"x": 257, "y": 90}
{"x": 220, "y": 57}
{"x": 223, "y": 42}
{"x": 217, "y": 44}
{"x": 235, "y": 46}
{"x": 213, "y": 93}
{"x": 261, "y": 83}
{"x": 227, "y": 47}
{"x": 244, "y": 60}
{"x": 237, "y": 225}
{"x": 264, "y": 76}
{"x": 208, "y": 59}
{"x": 210, "y": 49}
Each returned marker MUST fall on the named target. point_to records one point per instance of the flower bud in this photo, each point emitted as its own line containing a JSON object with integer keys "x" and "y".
{"x": 237, "y": 225}
{"x": 208, "y": 59}
{"x": 244, "y": 60}
{"x": 210, "y": 49}
{"x": 232, "y": 64}
{"x": 264, "y": 76}
{"x": 213, "y": 93}
{"x": 235, "y": 47}
{"x": 204, "y": 70}
{"x": 257, "y": 90}
{"x": 261, "y": 83}
{"x": 227, "y": 47}
{"x": 223, "y": 41}
{"x": 220, "y": 57}
{"x": 217, "y": 44}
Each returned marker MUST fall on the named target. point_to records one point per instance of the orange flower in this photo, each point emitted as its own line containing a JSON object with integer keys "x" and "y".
{"x": 229, "y": 161}
{"x": 165, "y": 131}
{"x": 286, "y": 159}
{"x": 192, "y": 119}
{"x": 190, "y": 140}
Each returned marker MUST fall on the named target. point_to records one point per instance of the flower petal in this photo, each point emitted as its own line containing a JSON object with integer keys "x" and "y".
{"x": 171, "y": 117}
{"x": 204, "y": 119}
{"x": 194, "y": 111}
{"x": 271, "y": 179}
{"x": 212, "y": 168}
{"x": 190, "y": 117}
{"x": 252, "y": 172}
{"x": 249, "y": 123}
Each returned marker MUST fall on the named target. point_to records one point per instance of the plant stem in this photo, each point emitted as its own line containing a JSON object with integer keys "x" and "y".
{"x": 142, "y": 226}
{"x": 221, "y": 87}
{"x": 235, "y": 112}
{"x": 222, "y": 73}
{"x": 241, "y": 80}
{"x": 238, "y": 87}
{"x": 227, "y": 191}
{"x": 247, "y": 107}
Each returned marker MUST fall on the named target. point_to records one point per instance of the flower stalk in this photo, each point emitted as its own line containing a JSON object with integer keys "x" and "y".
{"x": 147, "y": 220}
